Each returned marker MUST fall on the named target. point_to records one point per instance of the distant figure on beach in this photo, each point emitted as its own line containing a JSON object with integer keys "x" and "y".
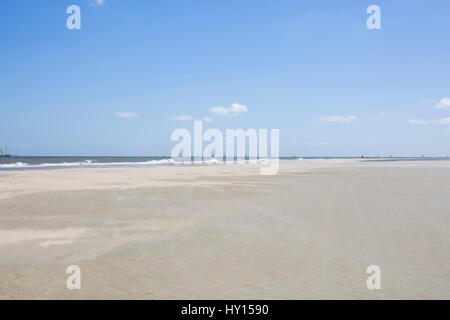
{"x": 362, "y": 156}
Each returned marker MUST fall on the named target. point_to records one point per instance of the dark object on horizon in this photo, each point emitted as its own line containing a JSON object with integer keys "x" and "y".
{"x": 4, "y": 155}
{"x": 362, "y": 156}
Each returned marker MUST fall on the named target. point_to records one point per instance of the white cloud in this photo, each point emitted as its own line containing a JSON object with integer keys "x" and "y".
{"x": 182, "y": 118}
{"x": 126, "y": 114}
{"x": 444, "y": 103}
{"x": 444, "y": 121}
{"x": 347, "y": 118}
{"x": 207, "y": 119}
{"x": 233, "y": 110}
{"x": 97, "y": 2}
{"x": 415, "y": 121}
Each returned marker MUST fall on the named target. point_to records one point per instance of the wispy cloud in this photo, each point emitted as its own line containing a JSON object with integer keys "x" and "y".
{"x": 317, "y": 144}
{"x": 181, "y": 118}
{"x": 444, "y": 103}
{"x": 336, "y": 118}
{"x": 97, "y": 2}
{"x": 126, "y": 114}
{"x": 25, "y": 145}
{"x": 444, "y": 121}
{"x": 233, "y": 110}
{"x": 427, "y": 100}
{"x": 417, "y": 121}
{"x": 207, "y": 119}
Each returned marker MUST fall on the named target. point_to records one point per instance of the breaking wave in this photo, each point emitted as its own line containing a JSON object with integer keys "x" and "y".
{"x": 92, "y": 163}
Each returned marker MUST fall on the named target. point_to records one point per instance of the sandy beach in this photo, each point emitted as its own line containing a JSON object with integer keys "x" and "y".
{"x": 226, "y": 232}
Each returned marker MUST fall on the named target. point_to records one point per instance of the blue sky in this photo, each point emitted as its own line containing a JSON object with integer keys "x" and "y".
{"x": 310, "y": 68}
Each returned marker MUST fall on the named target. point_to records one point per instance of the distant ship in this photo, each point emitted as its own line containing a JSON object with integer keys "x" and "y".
{"x": 4, "y": 155}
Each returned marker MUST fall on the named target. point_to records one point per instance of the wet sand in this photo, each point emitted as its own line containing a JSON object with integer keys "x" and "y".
{"x": 226, "y": 232}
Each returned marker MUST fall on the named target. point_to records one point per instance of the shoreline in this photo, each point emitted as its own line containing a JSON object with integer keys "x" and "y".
{"x": 92, "y": 162}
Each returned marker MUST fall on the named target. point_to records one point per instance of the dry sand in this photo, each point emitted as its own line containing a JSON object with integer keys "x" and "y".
{"x": 226, "y": 232}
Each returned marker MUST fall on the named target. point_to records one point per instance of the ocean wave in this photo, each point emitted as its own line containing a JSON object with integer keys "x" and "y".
{"x": 91, "y": 163}
{"x": 14, "y": 165}
{"x": 87, "y": 163}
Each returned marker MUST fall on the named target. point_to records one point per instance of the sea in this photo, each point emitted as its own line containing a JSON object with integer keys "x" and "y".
{"x": 55, "y": 162}
{"x": 45, "y": 162}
